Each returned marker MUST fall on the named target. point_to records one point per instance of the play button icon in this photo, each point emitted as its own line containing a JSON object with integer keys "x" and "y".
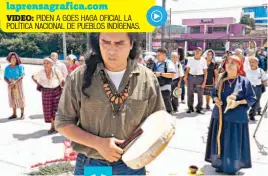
{"x": 157, "y": 16}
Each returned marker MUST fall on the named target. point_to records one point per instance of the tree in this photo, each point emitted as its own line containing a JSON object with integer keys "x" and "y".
{"x": 248, "y": 21}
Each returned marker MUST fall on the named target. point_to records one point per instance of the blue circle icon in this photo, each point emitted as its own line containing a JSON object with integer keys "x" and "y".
{"x": 157, "y": 16}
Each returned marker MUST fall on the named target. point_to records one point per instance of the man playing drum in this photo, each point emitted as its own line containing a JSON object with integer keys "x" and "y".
{"x": 106, "y": 100}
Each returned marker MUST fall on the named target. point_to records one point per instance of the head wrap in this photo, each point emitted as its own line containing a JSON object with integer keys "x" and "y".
{"x": 49, "y": 59}
{"x": 240, "y": 70}
{"x": 18, "y": 61}
{"x": 213, "y": 55}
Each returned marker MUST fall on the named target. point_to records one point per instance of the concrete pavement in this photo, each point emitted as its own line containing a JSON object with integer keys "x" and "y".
{"x": 25, "y": 142}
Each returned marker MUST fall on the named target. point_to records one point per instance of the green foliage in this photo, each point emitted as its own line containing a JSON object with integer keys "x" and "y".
{"x": 54, "y": 169}
{"x": 248, "y": 21}
{"x": 40, "y": 44}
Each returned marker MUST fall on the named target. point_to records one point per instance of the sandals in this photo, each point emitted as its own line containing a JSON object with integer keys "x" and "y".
{"x": 12, "y": 117}
{"x": 22, "y": 116}
{"x": 52, "y": 130}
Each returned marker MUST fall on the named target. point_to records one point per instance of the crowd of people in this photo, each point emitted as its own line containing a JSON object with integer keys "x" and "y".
{"x": 200, "y": 74}
{"x": 116, "y": 94}
{"x": 49, "y": 80}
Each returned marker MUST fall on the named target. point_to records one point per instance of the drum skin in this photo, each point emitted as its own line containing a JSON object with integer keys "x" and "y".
{"x": 158, "y": 129}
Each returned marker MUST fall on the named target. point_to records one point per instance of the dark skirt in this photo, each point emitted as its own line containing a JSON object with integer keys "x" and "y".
{"x": 50, "y": 101}
{"x": 235, "y": 146}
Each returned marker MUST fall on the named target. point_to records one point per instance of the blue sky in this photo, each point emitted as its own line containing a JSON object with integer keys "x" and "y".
{"x": 207, "y": 4}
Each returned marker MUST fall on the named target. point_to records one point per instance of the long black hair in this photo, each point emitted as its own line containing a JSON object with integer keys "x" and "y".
{"x": 94, "y": 57}
{"x": 181, "y": 53}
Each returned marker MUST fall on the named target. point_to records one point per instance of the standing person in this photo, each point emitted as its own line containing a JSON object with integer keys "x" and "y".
{"x": 104, "y": 101}
{"x": 150, "y": 61}
{"x": 252, "y": 49}
{"x": 165, "y": 71}
{"x": 183, "y": 63}
{"x": 244, "y": 60}
{"x": 212, "y": 75}
{"x": 228, "y": 146}
{"x": 14, "y": 74}
{"x": 258, "y": 79}
{"x": 59, "y": 65}
{"x": 195, "y": 78}
{"x": 262, "y": 56}
{"x": 49, "y": 81}
{"x": 81, "y": 60}
{"x": 72, "y": 65}
{"x": 176, "y": 82}
{"x": 241, "y": 46}
{"x": 220, "y": 67}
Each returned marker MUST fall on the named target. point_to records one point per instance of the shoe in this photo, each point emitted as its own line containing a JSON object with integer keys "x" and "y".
{"x": 189, "y": 111}
{"x": 252, "y": 118}
{"x": 175, "y": 110}
{"x": 52, "y": 130}
{"x": 219, "y": 170}
{"x": 182, "y": 101}
{"x": 208, "y": 107}
{"x": 12, "y": 117}
{"x": 199, "y": 111}
{"x": 22, "y": 116}
{"x": 259, "y": 113}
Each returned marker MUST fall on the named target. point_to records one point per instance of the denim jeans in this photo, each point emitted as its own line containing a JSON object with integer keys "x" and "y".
{"x": 262, "y": 63}
{"x": 119, "y": 167}
{"x": 182, "y": 90}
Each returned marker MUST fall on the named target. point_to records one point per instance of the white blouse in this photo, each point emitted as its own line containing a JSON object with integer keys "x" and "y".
{"x": 48, "y": 83}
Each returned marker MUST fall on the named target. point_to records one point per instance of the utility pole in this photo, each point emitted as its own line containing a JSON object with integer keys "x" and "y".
{"x": 163, "y": 27}
{"x": 88, "y": 46}
{"x": 64, "y": 45}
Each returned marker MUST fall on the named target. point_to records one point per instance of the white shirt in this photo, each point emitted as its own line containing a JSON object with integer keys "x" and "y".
{"x": 197, "y": 67}
{"x": 246, "y": 64}
{"x": 179, "y": 71}
{"x": 62, "y": 68}
{"x": 48, "y": 83}
{"x": 116, "y": 77}
{"x": 256, "y": 76}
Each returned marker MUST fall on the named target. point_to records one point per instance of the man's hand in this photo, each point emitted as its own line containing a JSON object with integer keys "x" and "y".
{"x": 109, "y": 150}
{"x": 157, "y": 74}
{"x": 203, "y": 85}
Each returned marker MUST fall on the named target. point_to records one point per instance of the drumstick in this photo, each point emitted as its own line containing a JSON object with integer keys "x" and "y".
{"x": 131, "y": 138}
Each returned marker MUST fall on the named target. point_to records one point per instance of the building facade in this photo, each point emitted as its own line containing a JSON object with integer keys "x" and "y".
{"x": 219, "y": 34}
{"x": 258, "y": 13}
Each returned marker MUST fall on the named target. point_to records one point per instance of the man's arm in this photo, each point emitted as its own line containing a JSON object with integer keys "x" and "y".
{"x": 187, "y": 73}
{"x": 168, "y": 75}
{"x": 205, "y": 77}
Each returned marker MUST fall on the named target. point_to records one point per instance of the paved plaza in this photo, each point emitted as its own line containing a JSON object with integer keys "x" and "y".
{"x": 25, "y": 142}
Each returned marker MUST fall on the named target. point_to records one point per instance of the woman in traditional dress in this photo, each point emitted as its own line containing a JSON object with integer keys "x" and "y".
{"x": 252, "y": 49}
{"x": 228, "y": 146}
{"x": 13, "y": 75}
{"x": 212, "y": 74}
{"x": 72, "y": 65}
{"x": 49, "y": 81}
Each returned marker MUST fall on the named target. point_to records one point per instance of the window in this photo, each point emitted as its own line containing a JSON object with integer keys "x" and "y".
{"x": 219, "y": 29}
{"x": 216, "y": 45}
{"x": 195, "y": 30}
{"x": 210, "y": 29}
